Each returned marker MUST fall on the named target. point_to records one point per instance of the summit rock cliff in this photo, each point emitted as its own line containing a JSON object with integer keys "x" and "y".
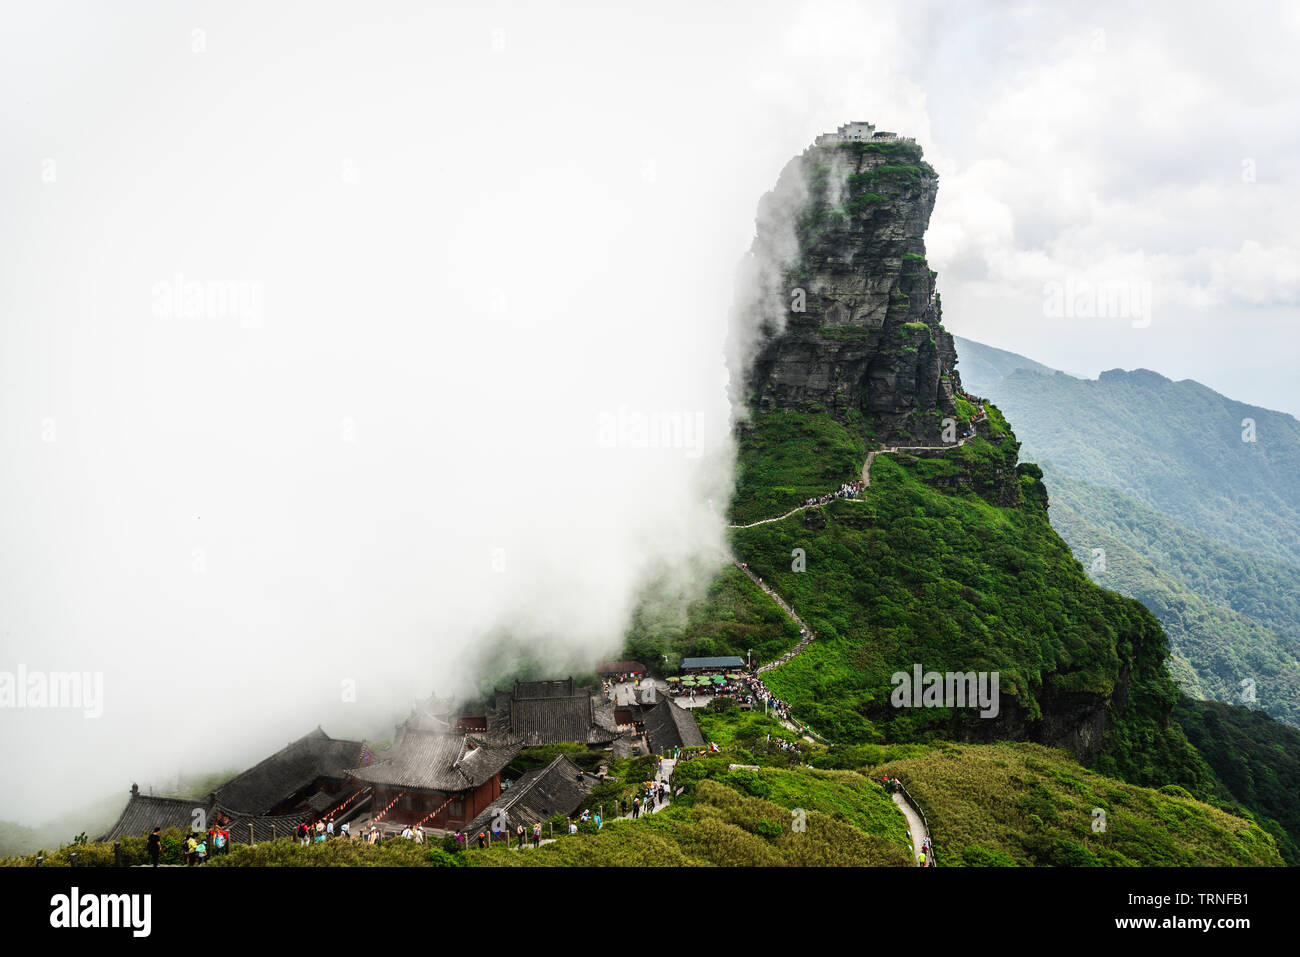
{"x": 845, "y": 316}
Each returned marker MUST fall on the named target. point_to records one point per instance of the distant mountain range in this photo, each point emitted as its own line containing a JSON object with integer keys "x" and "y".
{"x": 1165, "y": 496}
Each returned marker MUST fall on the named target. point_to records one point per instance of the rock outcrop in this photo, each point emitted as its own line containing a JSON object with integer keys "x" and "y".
{"x": 844, "y": 314}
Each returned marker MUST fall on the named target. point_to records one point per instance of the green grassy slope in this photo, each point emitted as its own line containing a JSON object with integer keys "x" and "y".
{"x": 924, "y": 569}
{"x": 787, "y": 458}
{"x": 1022, "y": 804}
{"x": 721, "y": 825}
{"x": 732, "y": 618}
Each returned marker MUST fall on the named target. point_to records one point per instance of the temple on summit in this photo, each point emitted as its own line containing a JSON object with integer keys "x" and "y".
{"x": 861, "y": 132}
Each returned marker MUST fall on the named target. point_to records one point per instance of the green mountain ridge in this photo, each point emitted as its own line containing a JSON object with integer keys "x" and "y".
{"x": 1223, "y": 468}
{"x": 1233, "y": 619}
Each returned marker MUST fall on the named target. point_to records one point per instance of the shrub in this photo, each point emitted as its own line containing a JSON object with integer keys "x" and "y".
{"x": 746, "y": 782}
{"x": 977, "y": 856}
{"x": 1067, "y": 853}
{"x": 439, "y": 857}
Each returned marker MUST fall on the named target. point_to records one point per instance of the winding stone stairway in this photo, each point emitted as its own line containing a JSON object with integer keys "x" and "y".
{"x": 915, "y": 823}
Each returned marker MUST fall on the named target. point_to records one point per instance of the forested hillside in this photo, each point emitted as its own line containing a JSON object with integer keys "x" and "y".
{"x": 1233, "y": 619}
{"x": 1223, "y": 468}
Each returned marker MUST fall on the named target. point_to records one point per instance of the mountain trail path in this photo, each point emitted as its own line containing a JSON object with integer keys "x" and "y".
{"x": 915, "y": 826}
{"x": 866, "y": 473}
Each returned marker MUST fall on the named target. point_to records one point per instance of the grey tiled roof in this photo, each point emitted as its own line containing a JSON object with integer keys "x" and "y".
{"x": 320, "y": 802}
{"x": 545, "y": 716}
{"x": 668, "y": 726}
{"x": 265, "y": 827}
{"x": 424, "y": 721}
{"x": 553, "y": 688}
{"x": 536, "y": 796}
{"x": 144, "y": 812}
{"x": 551, "y": 720}
{"x": 270, "y": 781}
{"x": 726, "y": 661}
{"x": 437, "y": 761}
{"x": 248, "y": 797}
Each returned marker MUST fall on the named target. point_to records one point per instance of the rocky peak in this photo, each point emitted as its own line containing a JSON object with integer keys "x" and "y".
{"x": 841, "y": 312}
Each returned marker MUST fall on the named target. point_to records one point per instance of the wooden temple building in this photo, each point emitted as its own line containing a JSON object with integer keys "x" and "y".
{"x": 536, "y": 713}
{"x": 559, "y": 788}
{"x": 444, "y": 770}
{"x": 436, "y": 779}
{"x": 305, "y": 780}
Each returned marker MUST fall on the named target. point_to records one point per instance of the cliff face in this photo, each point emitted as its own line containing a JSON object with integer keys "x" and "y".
{"x": 848, "y": 318}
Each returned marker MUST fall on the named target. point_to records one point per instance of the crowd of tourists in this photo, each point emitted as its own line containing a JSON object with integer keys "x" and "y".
{"x": 650, "y": 797}
{"x": 195, "y": 849}
{"x": 981, "y": 410}
{"x": 774, "y": 706}
{"x": 609, "y": 685}
{"x": 319, "y": 833}
{"x": 749, "y": 691}
{"x": 847, "y": 490}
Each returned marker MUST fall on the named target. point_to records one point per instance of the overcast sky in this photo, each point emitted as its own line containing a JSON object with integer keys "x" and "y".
{"x": 327, "y": 331}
